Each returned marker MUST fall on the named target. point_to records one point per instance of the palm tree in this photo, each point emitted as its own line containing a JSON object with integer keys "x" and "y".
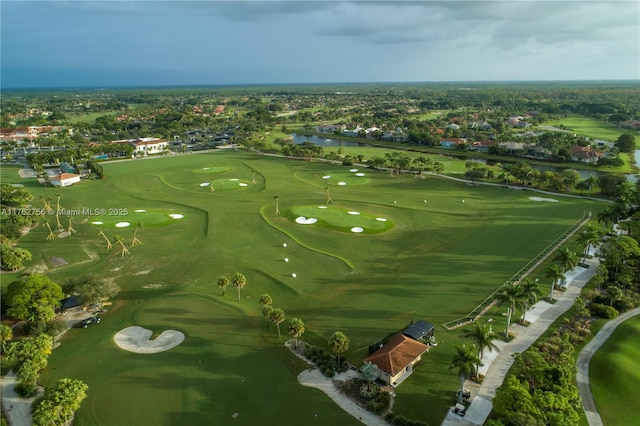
{"x": 438, "y": 167}
{"x": 530, "y": 293}
{"x": 464, "y": 361}
{"x": 51, "y": 235}
{"x": 266, "y": 312}
{"x": 277, "y": 316}
{"x": 296, "y": 329}
{"x": 588, "y": 237}
{"x": 511, "y": 296}
{"x": 607, "y": 217}
{"x": 223, "y": 282}
{"x": 135, "y": 238}
{"x": 105, "y": 237}
{"x": 555, "y": 273}
{"x": 239, "y": 281}
{"x": 369, "y": 372}
{"x": 119, "y": 240}
{"x": 277, "y": 198}
{"x": 591, "y": 182}
{"x": 482, "y": 337}
{"x": 339, "y": 344}
{"x": 567, "y": 259}
{"x": 265, "y": 300}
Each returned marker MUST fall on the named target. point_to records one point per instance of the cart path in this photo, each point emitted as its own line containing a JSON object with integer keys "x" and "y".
{"x": 481, "y": 404}
{"x": 584, "y": 358}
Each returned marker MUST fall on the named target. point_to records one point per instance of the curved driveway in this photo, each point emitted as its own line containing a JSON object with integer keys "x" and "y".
{"x": 584, "y": 358}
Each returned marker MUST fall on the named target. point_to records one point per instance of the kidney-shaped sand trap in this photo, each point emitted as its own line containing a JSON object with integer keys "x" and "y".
{"x": 137, "y": 339}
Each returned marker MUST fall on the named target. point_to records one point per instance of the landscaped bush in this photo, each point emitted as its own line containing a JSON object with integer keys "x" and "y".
{"x": 322, "y": 359}
{"x": 603, "y": 311}
{"x": 378, "y": 401}
{"x": 400, "y": 420}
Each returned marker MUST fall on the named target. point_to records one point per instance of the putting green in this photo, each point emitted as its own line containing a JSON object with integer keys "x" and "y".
{"x": 150, "y": 218}
{"x": 209, "y": 170}
{"x": 338, "y": 218}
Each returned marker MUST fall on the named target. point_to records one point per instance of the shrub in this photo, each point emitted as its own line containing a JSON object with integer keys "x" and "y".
{"x": 328, "y": 372}
{"x": 603, "y": 311}
{"x": 55, "y": 327}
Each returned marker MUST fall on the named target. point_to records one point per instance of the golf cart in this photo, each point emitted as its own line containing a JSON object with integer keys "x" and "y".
{"x": 459, "y": 409}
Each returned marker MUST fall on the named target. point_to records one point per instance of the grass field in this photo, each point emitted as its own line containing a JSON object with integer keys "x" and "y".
{"x": 592, "y": 128}
{"x": 615, "y": 376}
{"x": 433, "y": 260}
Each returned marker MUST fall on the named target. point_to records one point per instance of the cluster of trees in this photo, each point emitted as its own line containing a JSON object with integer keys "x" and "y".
{"x": 59, "y": 403}
{"x": 28, "y": 357}
{"x": 540, "y": 389}
{"x": 17, "y": 218}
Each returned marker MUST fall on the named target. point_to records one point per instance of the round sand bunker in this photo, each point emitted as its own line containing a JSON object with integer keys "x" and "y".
{"x": 137, "y": 339}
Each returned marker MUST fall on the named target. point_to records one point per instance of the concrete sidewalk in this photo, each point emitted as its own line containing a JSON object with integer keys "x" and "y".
{"x": 481, "y": 405}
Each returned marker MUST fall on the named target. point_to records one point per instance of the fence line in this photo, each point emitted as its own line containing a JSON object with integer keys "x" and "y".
{"x": 491, "y": 300}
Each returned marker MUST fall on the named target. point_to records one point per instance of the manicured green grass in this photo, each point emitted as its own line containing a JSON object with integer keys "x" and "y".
{"x": 591, "y": 128}
{"x": 436, "y": 261}
{"x": 615, "y": 375}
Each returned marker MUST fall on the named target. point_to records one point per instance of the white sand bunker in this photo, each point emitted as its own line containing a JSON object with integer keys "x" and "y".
{"x": 342, "y": 183}
{"x": 138, "y": 339}
{"x": 97, "y": 223}
{"x": 234, "y": 180}
{"x": 140, "y": 211}
{"x": 306, "y": 221}
{"x": 381, "y": 219}
{"x": 322, "y": 207}
{"x": 359, "y": 174}
{"x": 550, "y": 200}
{"x": 176, "y": 216}
{"x": 242, "y": 184}
{"x": 205, "y": 184}
{"x": 122, "y": 224}
{"x": 357, "y": 229}
{"x": 353, "y": 170}
{"x": 353, "y": 212}
{"x": 326, "y": 177}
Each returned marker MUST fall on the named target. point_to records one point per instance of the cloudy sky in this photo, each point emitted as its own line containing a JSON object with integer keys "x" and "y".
{"x": 129, "y": 43}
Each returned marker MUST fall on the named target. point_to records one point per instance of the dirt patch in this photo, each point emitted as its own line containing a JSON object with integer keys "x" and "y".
{"x": 138, "y": 339}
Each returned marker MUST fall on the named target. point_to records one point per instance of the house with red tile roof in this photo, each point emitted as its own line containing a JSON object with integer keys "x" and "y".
{"x": 65, "y": 179}
{"x": 397, "y": 358}
{"x": 585, "y": 154}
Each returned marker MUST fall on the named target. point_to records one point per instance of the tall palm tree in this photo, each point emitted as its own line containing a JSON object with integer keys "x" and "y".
{"x": 512, "y": 297}
{"x": 530, "y": 293}
{"x": 567, "y": 259}
{"x": 223, "y": 282}
{"x": 296, "y": 329}
{"x": 555, "y": 273}
{"x": 277, "y": 198}
{"x": 588, "y": 237}
{"x": 591, "y": 182}
{"x": 339, "y": 344}
{"x": 482, "y": 337}
{"x": 464, "y": 361}
{"x": 239, "y": 281}
{"x": 120, "y": 240}
{"x": 277, "y": 316}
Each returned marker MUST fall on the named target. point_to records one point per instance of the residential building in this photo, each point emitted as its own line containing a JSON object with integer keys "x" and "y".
{"x": 397, "y": 359}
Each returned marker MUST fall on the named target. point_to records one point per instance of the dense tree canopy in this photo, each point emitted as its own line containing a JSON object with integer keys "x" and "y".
{"x": 34, "y": 299}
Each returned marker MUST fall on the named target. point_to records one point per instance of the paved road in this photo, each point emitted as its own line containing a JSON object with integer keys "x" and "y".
{"x": 584, "y": 358}
{"x": 481, "y": 405}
